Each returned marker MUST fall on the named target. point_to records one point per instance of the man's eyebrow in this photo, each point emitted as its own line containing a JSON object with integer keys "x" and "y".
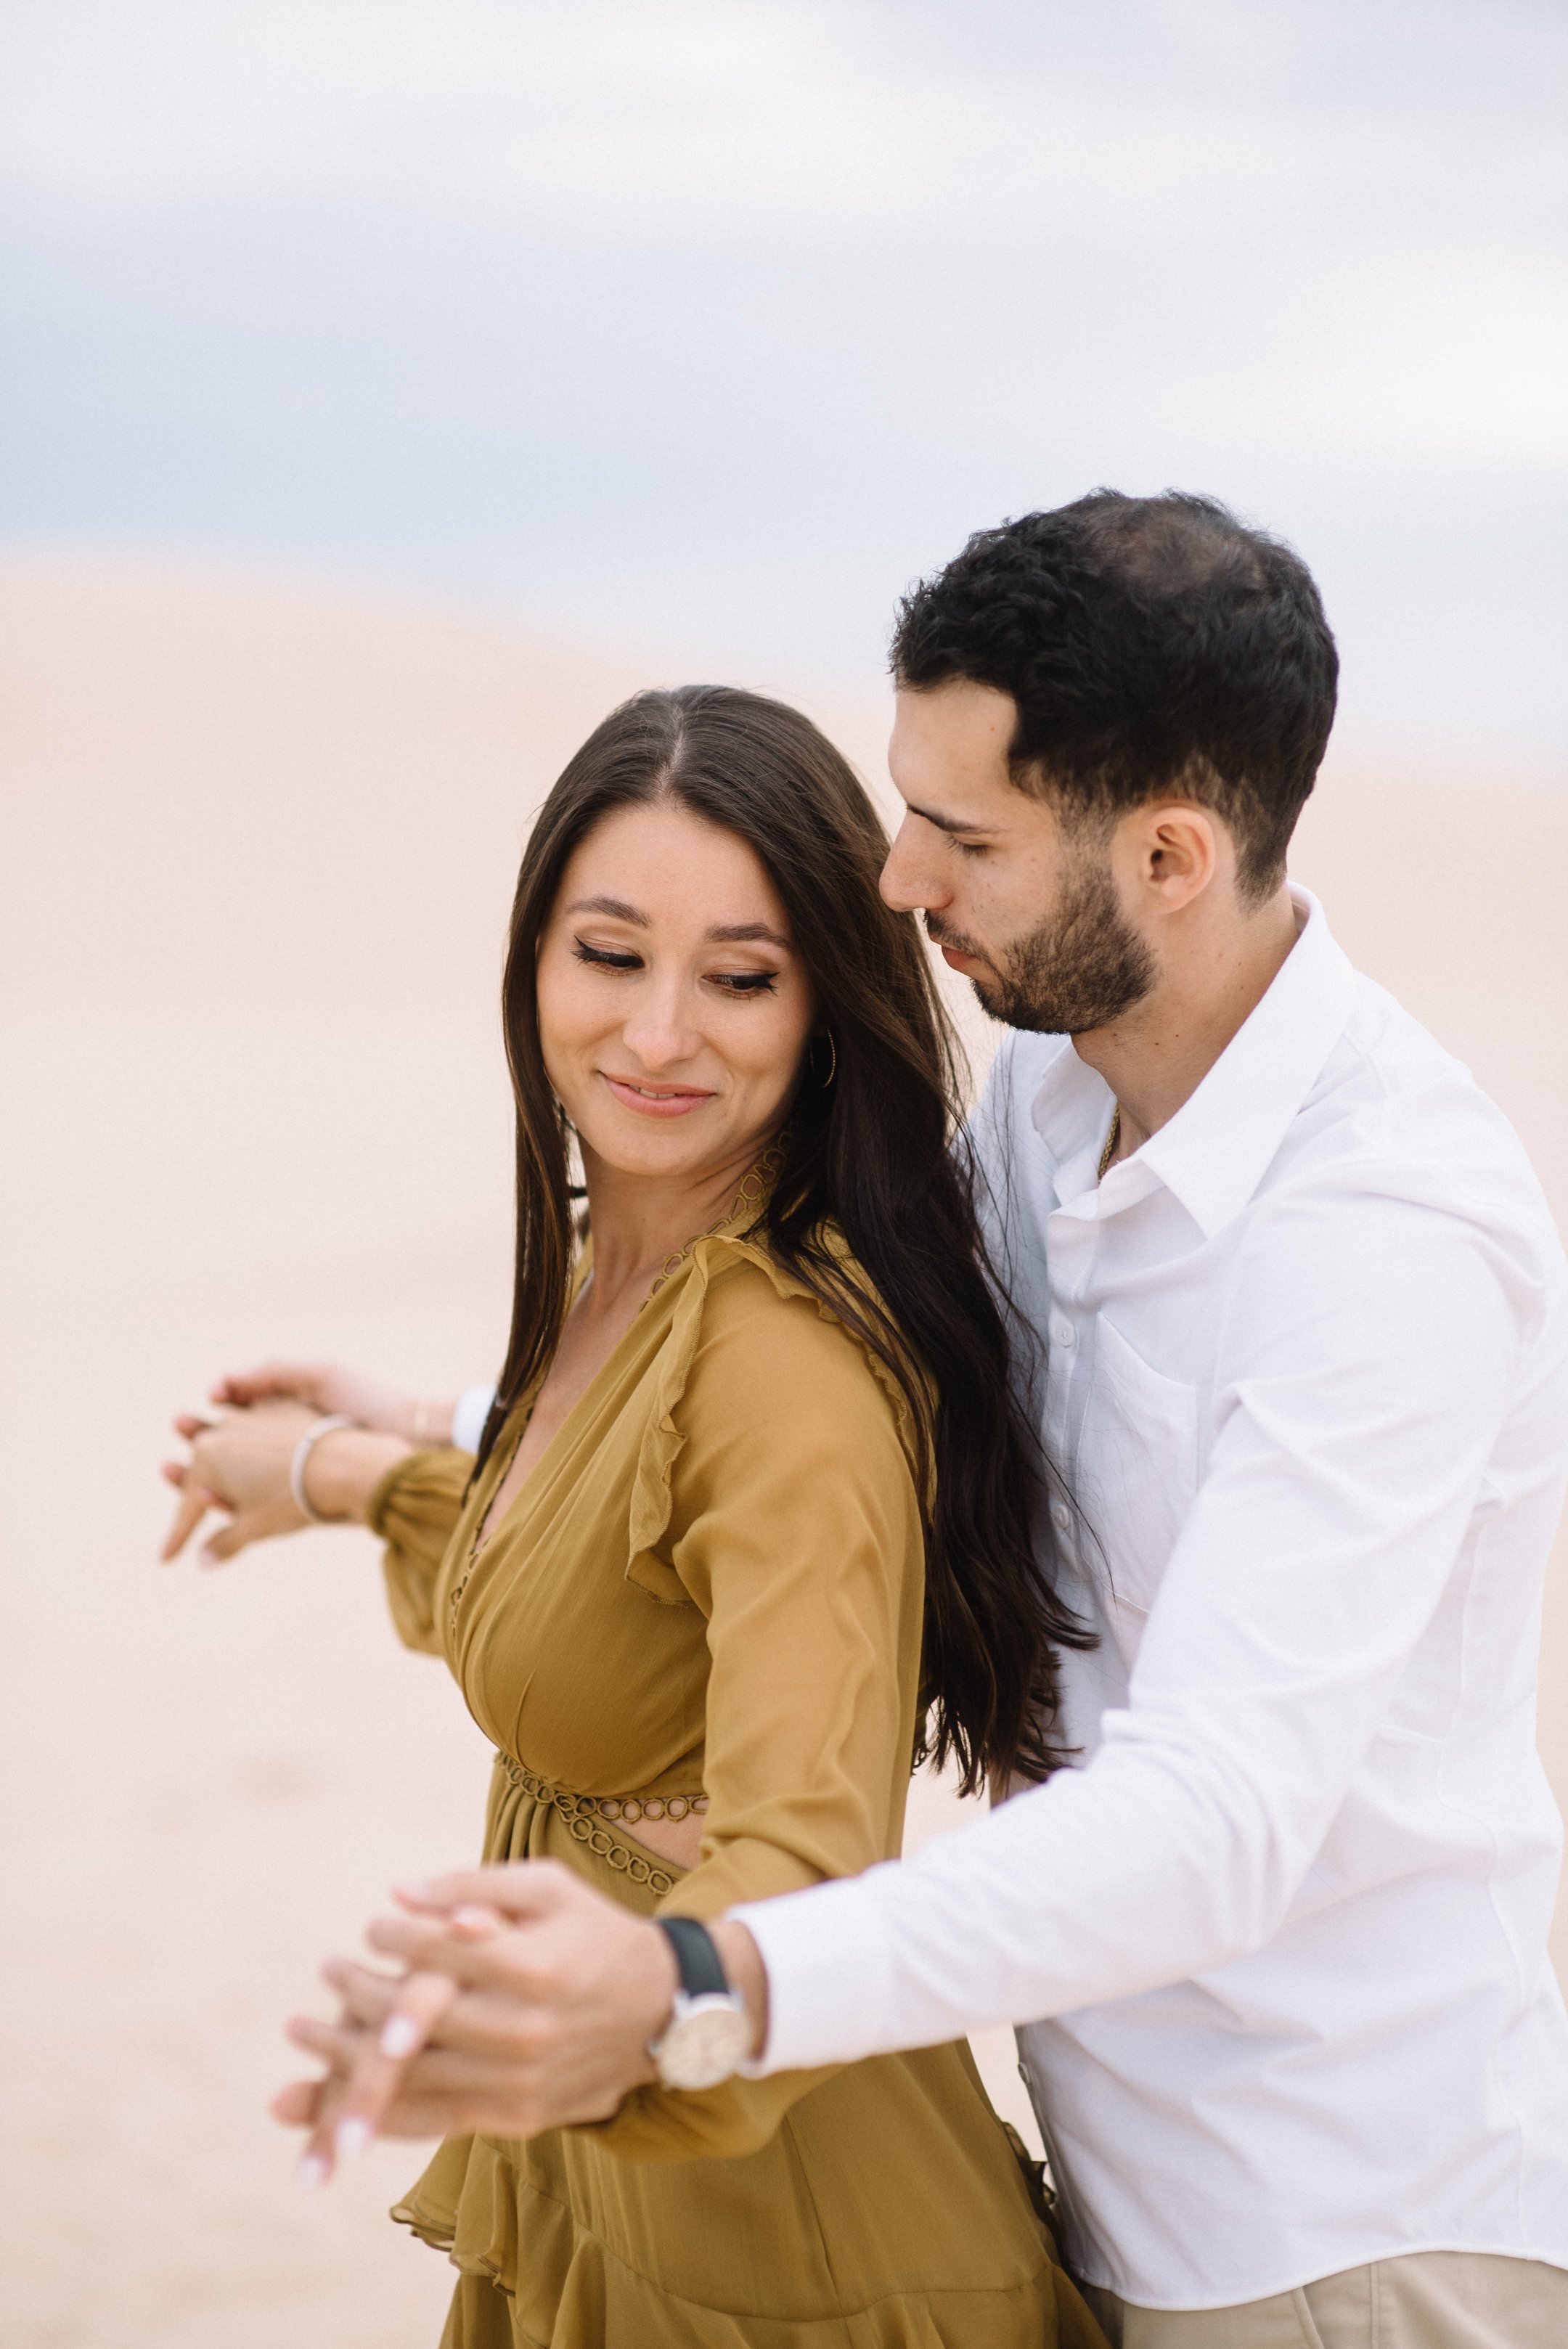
{"x": 745, "y": 934}
{"x": 945, "y": 823}
{"x": 614, "y": 908}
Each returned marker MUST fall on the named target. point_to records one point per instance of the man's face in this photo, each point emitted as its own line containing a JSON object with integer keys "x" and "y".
{"x": 1025, "y": 906}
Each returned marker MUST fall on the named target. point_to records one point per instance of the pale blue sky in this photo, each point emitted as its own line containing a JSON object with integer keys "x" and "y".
{"x": 704, "y": 325}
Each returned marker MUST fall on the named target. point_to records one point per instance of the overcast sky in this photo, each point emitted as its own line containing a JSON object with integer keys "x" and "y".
{"x": 705, "y": 325}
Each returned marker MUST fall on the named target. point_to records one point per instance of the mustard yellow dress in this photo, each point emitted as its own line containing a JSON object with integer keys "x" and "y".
{"x": 709, "y": 1590}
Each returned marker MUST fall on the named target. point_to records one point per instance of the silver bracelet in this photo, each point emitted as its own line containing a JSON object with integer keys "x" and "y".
{"x": 301, "y": 1462}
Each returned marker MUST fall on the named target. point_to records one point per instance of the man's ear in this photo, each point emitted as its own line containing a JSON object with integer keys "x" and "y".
{"x": 1170, "y": 851}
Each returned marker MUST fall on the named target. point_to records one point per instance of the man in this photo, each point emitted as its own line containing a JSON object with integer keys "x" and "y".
{"x": 1300, "y": 1326}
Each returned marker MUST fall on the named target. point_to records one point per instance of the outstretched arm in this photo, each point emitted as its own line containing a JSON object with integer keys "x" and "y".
{"x": 331, "y": 1388}
{"x": 241, "y": 1456}
{"x": 1362, "y": 1391}
{"x": 242, "y": 1465}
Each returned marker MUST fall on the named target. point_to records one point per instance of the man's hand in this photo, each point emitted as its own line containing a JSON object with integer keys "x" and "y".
{"x": 331, "y": 1389}
{"x": 528, "y": 2004}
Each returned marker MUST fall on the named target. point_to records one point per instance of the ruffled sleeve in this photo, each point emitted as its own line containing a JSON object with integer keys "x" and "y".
{"x": 778, "y": 1496}
{"x": 415, "y": 1509}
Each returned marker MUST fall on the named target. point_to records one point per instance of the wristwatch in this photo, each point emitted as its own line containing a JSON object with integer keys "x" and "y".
{"x": 709, "y": 2033}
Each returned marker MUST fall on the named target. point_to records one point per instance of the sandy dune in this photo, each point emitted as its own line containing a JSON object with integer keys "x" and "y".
{"x": 259, "y": 848}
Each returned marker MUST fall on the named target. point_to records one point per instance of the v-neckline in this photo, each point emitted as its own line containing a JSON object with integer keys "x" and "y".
{"x": 484, "y": 1533}
{"x": 754, "y": 1188}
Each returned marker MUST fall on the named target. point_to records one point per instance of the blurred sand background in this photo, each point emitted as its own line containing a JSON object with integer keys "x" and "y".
{"x": 259, "y": 844}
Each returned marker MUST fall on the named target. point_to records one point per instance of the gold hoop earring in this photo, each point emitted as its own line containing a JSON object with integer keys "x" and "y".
{"x": 832, "y": 1061}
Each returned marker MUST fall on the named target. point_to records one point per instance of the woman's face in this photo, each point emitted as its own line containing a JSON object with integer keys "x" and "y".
{"x": 673, "y": 1008}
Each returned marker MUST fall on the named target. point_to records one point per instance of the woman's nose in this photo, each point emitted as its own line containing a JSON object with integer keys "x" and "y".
{"x": 659, "y": 1031}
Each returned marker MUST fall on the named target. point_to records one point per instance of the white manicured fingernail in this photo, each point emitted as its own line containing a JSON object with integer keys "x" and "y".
{"x": 400, "y": 2036}
{"x": 352, "y": 2138}
{"x": 313, "y": 2172}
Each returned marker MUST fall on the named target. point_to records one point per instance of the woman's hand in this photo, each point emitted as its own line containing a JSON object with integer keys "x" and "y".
{"x": 526, "y": 2003}
{"x": 240, "y": 1465}
{"x": 329, "y": 1388}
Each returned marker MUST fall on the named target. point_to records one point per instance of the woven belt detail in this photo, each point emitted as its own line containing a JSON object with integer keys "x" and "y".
{"x": 580, "y": 1814}
{"x": 632, "y": 1807}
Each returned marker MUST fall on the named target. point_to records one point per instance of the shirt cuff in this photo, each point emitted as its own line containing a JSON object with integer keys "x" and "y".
{"x": 828, "y": 1957}
{"x": 468, "y": 1415}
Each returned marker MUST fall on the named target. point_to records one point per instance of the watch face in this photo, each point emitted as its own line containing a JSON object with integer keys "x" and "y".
{"x": 709, "y": 2039}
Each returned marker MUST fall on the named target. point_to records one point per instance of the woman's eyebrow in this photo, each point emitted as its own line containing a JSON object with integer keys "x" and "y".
{"x": 614, "y": 906}
{"x": 745, "y": 933}
{"x": 722, "y": 933}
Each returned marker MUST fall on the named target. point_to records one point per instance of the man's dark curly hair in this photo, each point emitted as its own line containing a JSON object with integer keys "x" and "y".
{"x": 1153, "y": 645}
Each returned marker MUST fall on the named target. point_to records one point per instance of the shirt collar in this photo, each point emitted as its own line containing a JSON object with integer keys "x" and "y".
{"x": 1213, "y": 1153}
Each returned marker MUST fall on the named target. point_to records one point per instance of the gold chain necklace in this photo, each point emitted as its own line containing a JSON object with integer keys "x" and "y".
{"x": 1112, "y": 1139}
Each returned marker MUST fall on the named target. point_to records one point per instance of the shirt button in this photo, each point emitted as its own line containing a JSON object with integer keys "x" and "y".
{"x": 1064, "y": 1332}
{"x": 1061, "y": 1515}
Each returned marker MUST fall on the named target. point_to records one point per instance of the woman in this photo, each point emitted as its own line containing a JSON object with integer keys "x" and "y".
{"x": 751, "y": 1508}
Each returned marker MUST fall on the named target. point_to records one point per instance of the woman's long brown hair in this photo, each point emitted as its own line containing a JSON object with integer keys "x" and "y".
{"x": 868, "y": 1150}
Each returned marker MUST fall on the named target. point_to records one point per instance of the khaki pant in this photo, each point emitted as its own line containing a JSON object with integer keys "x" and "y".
{"x": 1433, "y": 2299}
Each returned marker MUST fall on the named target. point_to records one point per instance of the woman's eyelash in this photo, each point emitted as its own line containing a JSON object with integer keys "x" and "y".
{"x": 733, "y": 982}
{"x": 604, "y": 958}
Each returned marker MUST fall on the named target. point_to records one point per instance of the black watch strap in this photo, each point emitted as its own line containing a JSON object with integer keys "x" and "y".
{"x": 697, "y": 1958}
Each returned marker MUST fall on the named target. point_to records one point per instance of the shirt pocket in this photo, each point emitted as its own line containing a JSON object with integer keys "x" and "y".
{"x": 1137, "y": 1470}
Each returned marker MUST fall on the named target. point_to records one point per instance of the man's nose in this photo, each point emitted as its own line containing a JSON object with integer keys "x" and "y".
{"x": 908, "y": 883}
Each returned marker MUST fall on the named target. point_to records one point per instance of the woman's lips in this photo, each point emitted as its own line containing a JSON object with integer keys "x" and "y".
{"x": 649, "y": 1100}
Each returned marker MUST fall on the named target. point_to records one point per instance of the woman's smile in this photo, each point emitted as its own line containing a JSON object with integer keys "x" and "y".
{"x": 655, "y": 1101}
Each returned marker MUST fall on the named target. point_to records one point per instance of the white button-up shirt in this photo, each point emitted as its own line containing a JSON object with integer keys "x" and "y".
{"x": 1306, "y": 1381}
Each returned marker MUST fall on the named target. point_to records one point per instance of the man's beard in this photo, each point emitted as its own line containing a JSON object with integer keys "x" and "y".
{"x": 1081, "y": 970}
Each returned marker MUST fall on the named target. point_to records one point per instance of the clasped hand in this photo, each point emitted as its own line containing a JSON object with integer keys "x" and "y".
{"x": 240, "y": 1458}
{"x": 526, "y": 2001}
